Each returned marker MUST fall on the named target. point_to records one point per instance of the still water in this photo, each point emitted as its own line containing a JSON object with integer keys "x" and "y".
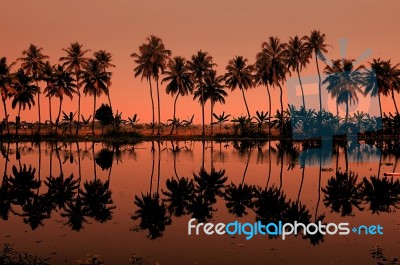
{"x": 131, "y": 204}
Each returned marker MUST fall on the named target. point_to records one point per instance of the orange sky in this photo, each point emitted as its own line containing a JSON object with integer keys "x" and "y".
{"x": 223, "y": 28}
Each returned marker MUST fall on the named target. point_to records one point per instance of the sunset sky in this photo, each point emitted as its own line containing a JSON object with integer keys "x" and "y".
{"x": 222, "y": 28}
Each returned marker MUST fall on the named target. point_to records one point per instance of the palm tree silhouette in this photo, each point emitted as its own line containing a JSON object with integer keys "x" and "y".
{"x": 23, "y": 184}
{"x": 383, "y": 79}
{"x": 179, "y": 80}
{"x": 62, "y": 85}
{"x": 200, "y": 65}
{"x": 239, "y": 74}
{"x": 211, "y": 89}
{"x": 76, "y": 212}
{"x": 48, "y": 77}
{"x": 33, "y": 63}
{"x": 298, "y": 56}
{"x": 24, "y": 92}
{"x": 179, "y": 193}
{"x": 61, "y": 190}
{"x": 105, "y": 58}
{"x": 316, "y": 43}
{"x": 269, "y": 204}
{"x": 6, "y": 89}
{"x": 95, "y": 82}
{"x": 344, "y": 81}
{"x": 75, "y": 60}
{"x": 342, "y": 193}
{"x": 271, "y": 64}
{"x": 152, "y": 61}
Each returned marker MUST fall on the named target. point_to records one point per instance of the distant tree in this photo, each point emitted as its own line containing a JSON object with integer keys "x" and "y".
{"x": 104, "y": 115}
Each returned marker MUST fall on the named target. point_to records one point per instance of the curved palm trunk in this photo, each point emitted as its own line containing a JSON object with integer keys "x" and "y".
{"x": 301, "y": 86}
{"x": 152, "y": 105}
{"x": 59, "y": 113}
{"x": 79, "y": 102}
{"x": 38, "y": 99}
{"x": 301, "y": 183}
{"x": 211, "y": 119}
{"x": 269, "y": 162}
{"x": 152, "y": 166}
{"x": 94, "y": 112}
{"x": 394, "y": 102}
{"x": 159, "y": 110}
{"x": 51, "y": 119}
{"x": 319, "y": 83}
{"x": 247, "y": 166}
{"x": 6, "y": 115}
{"x": 245, "y": 102}
{"x": 202, "y": 107}
{"x": 347, "y": 115}
{"x": 269, "y": 111}
{"x": 94, "y": 163}
{"x": 159, "y": 167}
{"x": 281, "y": 102}
{"x": 173, "y": 123}
{"x": 319, "y": 186}
{"x": 18, "y": 119}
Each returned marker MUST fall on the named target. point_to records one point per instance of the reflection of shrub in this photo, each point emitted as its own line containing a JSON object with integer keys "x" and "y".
{"x": 9, "y": 256}
{"x": 104, "y": 159}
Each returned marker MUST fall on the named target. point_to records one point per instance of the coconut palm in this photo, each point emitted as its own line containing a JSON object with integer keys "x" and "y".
{"x": 33, "y": 63}
{"x": 344, "y": 81}
{"x": 152, "y": 61}
{"x": 298, "y": 56}
{"x": 48, "y": 77}
{"x": 200, "y": 65}
{"x": 239, "y": 74}
{"x": 212, "y": 89}
{"x": 24, "y": 93}
{"x": 383, "y": 79}
{"x": 6, "y": 89}
{"x": 316, "y": 43}
{"x": 179, "y": 80}
{"x": 105, "y": 59}
{"x": 95, "y": 82}
{"x": 75, "y": 60}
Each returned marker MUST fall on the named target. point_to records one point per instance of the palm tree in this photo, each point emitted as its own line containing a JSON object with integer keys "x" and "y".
{"x": 105, "y": 59}
{"x": 201, "y": 64}
{"x": 5, "y": 86}
{"x": 212, "y": 89}
{"x": 316, "y": 43}
{"x": 179, "y": 80}
{"x": 384, "y": 79}
{"x": 63, "y": 85}
{"x": 95, "y": 82}
{"x": 275, "y": 63}
{"x": 239, "y": 74}
{"x": 33, "y": 63}
{"x": 48, "y": 77}
{"x": 75, "y": 60}
{"x": 298, "y": 56}
{"x": 344, "y": 82}
{"x": 24, "y": 93}
{"x": 152, "y": 61}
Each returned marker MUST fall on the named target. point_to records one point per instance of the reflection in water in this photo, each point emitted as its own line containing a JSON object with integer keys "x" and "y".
{"x": 84, "y": 200}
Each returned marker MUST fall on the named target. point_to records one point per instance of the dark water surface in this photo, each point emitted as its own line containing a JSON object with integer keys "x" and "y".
{"x": 64, "y": 201}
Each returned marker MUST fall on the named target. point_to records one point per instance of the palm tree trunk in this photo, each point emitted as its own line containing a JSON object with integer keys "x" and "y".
{"x": 211, "y": 119}
{"x": 301, "y": 86}
{"x": 152, "y": 105}
{"x": 394, "y": 102}
{"x": 319, "y": 83}
{"x": 173, "y": 121}
{"x": 94, "y": 112}
{"x": 51, "y": 119}
{"x": 245, "y": 102}
{"x": 6, "y": 115}
{"x": 202, "y": 106}
{"x": 79, "y": 102}
{"x": 247, "y": 166}
{"x": 301, "y": 183}
{"x": 347, "y": 115}
{"x": 281, "y": 101}
{"x": 38, "y": 99}
{"x": 269, "y": 112}
{"x": 59, "y": 113}
{"x": 94, "y": 163}
{"x": 19, "y": 119}
{"x": 159, "y": 110}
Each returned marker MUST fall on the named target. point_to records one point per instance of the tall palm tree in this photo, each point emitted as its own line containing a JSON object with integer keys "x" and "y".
{"x": 316, "y": 43}
{"x": 48, "y": 77}
{"x": 212, "y": 89}
{"x": 105, "y": 59}
{"x": 200, "y": 65}
{"x": 152, "y": 61}
{"x": 6, "y": 89}
{"x": 344, "y": 81}
{"x": 239, "y": 74}
{"x": 298, "y": 56}
{"x": 95, "y": 82}
{"x": 275, "y": 64}
{"x": 179, "y": 80}
{"x": 24, "y": 94}
{"x": 33, "y": 63}
{"x": 384, "y": 79}
{"x": 75, "y": 60}
{"x": 63, "y": 85}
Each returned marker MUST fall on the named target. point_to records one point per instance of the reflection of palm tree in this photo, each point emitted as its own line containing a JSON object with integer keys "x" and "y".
{"x": 210, "y": 184}
{"x": 35, "y": 210}
{"x": 238, "y": 198}
{"x": 76, "y": 212}
{"x": 23, "y": 184}
{"x": 342, "y": 193}
{"x": 61, "y": 190}
{"x": 96, "y": 195}
{"x": 381, "y": 194}
{"x": 179, "y": 195}
{"x": 269, "y": 204}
